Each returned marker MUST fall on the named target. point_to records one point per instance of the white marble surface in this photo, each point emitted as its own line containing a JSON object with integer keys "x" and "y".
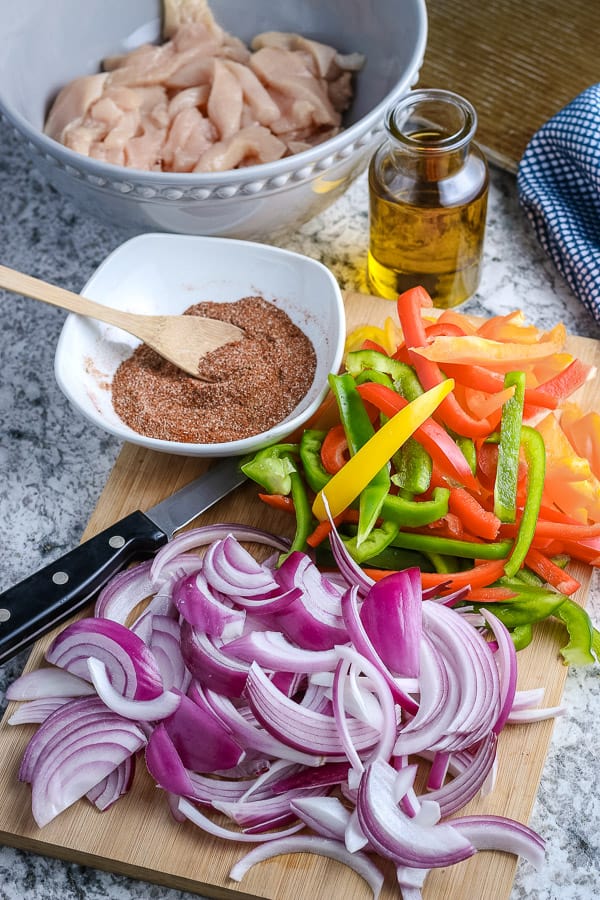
{"x": 53, "y": 466}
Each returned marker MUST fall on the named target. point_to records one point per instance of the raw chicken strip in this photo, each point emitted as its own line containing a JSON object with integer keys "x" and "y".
{"x": 190, "y": 135}
{"x": 250, "y": 146}
{"x": 73, "y": 102}
{"x": 185, "y": 12}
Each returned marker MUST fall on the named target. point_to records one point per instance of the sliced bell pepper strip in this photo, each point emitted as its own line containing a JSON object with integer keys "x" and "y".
{"x": 414, "y": 513}
{"x": 472, "y": 350}
{"x": 473, "y": 515}
{"x": 310, "y": 454}
{"x": 425, "y": 543}
{"x": 568, "y": 380}
{"x": 481, "y": 575}
{"x": 323, "y": 529}
{"x": 558, "y": 530}
{"x": 376, "y": 541}
{"x": 334, "y": 449}
{"x": 578, "y": 650}
{"x": 359, "y": 431}
{"x": 443, "y": 450}
{"x": 583, "y": 432}
{"x": 413, "y": 467}
{"x": 551, "y": 573}
{"x": 509, "y": 446}
{"x": 348, "y": 483}
{"x": 409, "y": 312}
{"x": 532, "y": 604}
{"x": 492, "y": 594}
{"x": 278, "y": 501}
{"x": 522, "y": 636}
{"x": 403, "y": 376}
{"x": 535, "y": 457}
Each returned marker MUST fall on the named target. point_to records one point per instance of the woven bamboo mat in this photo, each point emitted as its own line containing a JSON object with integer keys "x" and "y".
{"x": 517, "y": 61}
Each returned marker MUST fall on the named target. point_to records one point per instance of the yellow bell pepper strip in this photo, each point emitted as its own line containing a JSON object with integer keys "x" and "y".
{"x": 535, "y": 456}
{"x": 444, "y": 451}
{"x": 359, "y": 430}
{"x": 509, "y": 446}
{"x": 347, "y": 484}
{"x": 471, "y": 350}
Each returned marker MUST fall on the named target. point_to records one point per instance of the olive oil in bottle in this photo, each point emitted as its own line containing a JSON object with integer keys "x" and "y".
{"x": 428, "y": 186}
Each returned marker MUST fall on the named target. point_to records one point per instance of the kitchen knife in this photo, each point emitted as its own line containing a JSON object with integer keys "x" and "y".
{"x": 48, "y": 597}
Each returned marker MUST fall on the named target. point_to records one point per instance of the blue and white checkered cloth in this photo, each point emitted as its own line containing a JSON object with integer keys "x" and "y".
{"x": 559, "y": 190}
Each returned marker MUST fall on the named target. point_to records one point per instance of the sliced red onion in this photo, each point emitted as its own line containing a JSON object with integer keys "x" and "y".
{"x": 397, "y": 836}
{"x": 139, "y": 710}
{"x": 194, "y": 815}
{"x": 314, "y": 621}
{"x": 165, "y": 643}
{"x": 392, "y": 616}
{"x": 165, "y": 765}
{"x": 297, "y": 726}
{"x": 204, "y": 744}
{"x": 228, "y": 567}
{"x": 195, "y": 601}
{"x": 48, "y": 682}
{"x": 362, "y": 642}
{"x": 132, "y": 668}
{"x": 36, "y": 711}
{"x": 500, "y": 833}
{"x": 506, "y": 660}
{"x": 535, "y": 715}
{"x": 250, "y": 733}
{"x": 326, "y": 816}
{"x": 114, "y": 786}
{"x": 209, "y": 665}
{"x": 124, "y": 591}
{"x": 349, "y": 568}
{"x": 200, "y": 537}
{"x": 73, "y": 757}
{"x": 457, "y": 792}
{"x": 273, "y": 651}
{"x": 336, "y": 850}
{"x": 256, "y": 812}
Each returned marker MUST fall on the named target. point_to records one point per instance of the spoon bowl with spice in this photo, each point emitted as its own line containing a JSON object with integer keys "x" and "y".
{"x": 183, "y": 342}
{"x": 248, "y": 393}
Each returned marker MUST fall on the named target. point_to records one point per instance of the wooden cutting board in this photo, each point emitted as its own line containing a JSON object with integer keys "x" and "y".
{"x": 517, "y": 61}
{"x": 137, "y": 837}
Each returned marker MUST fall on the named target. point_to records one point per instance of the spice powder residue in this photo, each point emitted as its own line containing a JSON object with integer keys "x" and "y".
{"x": 251, "y": 385}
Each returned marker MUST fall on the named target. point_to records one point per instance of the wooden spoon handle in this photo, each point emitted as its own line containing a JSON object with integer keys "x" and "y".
{"x": 19, "y": 283}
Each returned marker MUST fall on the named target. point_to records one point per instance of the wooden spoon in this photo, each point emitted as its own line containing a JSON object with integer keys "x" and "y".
{"x": 183, "y": 340}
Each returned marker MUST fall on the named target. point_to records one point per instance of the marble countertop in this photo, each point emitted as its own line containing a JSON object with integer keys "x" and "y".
{"x": 53, "y": 466}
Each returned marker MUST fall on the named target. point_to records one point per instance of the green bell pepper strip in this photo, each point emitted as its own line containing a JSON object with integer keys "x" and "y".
{"x": 505, "y": 486}
{"x": 522, "y": 636}
{"x": 441, "y": 563}
{"x": 373, "y": 375}
{"x": 535, "y": 457}
{"x": 359, "y": 430}
{"x": 414, "y": 513}
{"x": 395, "y": 558}
{"x": 578, "y": 650}
{"x": 376, "y": 541}
{"x": 405, "y": 379}
{"x": 529, "y": 606}
{"x": 469, "y": 450}
{"x": 315, "y": 472}
{"x": 413, "y": 466}
{"x": 276, "y": 471}
{"x": 271, "y": 468}
{"x": 425, "y": 543}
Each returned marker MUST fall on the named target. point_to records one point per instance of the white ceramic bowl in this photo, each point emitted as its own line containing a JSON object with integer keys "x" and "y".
{"x": 45, "y": 45}
{"x": 166, "y": 273}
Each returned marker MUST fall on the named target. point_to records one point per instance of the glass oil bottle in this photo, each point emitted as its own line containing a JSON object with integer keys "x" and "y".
{"x": 428, "y": 187}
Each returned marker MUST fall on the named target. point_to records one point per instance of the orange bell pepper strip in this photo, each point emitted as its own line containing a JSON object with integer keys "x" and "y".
{"x": 552, "y": 574}
{"x": 557, "y": 530}
{"x": 346, "y": 485}
{"x": 492, "y": 594}
{"x": 583, "y": 433}
{"x": 481, "y": 575}
{"x": 453, "y": 415}
{"x": 493, "y": 382}
{"x": 509, "y": 327}
{"x": 444, "y": 451}
{"x": 475, "y": 518}
{"x": 468, "y": 324}
{"x": 470, "y": 349}
{"x": 334, "y": 449}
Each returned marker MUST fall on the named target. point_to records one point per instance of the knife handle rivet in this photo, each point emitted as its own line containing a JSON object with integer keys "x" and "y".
{"x": 116, "y": 541}
{"x": 60, "y": 578}
{"x": 4, "y": 615}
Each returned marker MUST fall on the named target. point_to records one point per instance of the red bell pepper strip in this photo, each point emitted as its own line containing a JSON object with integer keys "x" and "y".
{"x": 278, "y": 501}
{"x": 444, "y": 451}
{"x": 334, "y": 449}
{"x": 566, "y": 382}
{"x": 450, "y": 412}
{"x": 475, "y": 518}
{"x": 552, "y": 574}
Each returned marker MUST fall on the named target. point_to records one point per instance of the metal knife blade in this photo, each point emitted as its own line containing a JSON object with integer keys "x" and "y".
{"x": 43, "y": 600}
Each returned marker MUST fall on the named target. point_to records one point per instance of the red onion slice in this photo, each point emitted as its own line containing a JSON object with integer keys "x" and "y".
{"x": 48, "y": 682}
{"x": 139, "y": 710}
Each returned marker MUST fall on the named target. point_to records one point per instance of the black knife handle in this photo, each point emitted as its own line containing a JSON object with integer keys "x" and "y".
{"x": 48, "y": 597}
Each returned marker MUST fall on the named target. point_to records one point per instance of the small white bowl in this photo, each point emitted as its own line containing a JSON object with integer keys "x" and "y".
{"x": 167, "y": 273}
